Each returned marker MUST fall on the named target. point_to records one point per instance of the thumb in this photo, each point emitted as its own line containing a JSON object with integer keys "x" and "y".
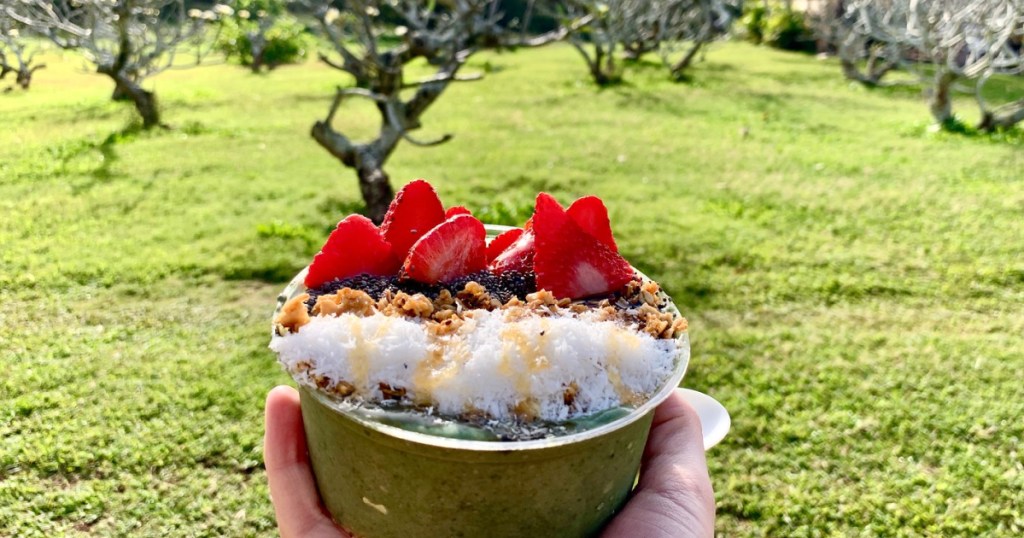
{"x": 674, "y": 496}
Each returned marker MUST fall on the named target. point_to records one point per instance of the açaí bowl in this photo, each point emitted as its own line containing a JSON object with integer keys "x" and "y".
{"x": 382, "y": 481}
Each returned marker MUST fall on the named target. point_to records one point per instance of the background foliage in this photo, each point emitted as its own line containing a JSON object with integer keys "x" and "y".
{"x": 287, "y": 39}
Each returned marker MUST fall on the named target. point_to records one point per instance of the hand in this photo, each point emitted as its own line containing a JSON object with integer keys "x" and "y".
{"x": 672, "y": 500}
{"x": 292, "y": 489}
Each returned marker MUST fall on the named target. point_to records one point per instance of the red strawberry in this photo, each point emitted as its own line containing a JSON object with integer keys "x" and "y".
{"x": 456, "y": 210}
{"x": 517, "y": 257}
{"x": 454, "y": 248}
{"x": 355, "y": 247}
{"x": 414, "y": 211}
{"x": 590, "y": 214}
{"x": 529, "y": 224}
{"x": 569, "y": 262}
{"x": 502, "y": 242}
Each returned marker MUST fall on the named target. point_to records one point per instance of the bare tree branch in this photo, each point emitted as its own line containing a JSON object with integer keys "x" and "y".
{"x": 955, "y": 39}
{"x": 444, "y": 78}
{"x": 13, "y": 43}
{"x": 444, "y": 35}
{"x": 596, "y": 28}
{"x": 126, "y": 40}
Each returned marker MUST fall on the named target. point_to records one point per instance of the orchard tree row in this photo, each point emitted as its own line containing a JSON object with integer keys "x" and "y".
{"x": 373, "y": 41}
{"x": 947, "y": 46}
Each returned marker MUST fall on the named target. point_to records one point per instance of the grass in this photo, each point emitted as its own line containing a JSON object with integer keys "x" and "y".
{"x": 854, "y": 282}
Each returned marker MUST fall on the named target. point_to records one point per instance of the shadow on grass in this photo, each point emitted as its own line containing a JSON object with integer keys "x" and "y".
{"x": 804, "y": 78}
{"x": 631, "y": 97}
{"x": 642, "y": 63}
{"x": 103, "y": 173}
{"x": 99, "y": 111}
{"x": 68, "y": 152}
{"x": 957, "y": 129}
{"x": 279, "y": 249}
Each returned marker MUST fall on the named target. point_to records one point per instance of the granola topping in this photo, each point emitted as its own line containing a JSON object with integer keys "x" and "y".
{"x": 640, "y": 304}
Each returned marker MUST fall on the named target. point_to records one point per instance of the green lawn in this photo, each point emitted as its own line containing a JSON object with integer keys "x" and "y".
{"x": 854, "y": 283}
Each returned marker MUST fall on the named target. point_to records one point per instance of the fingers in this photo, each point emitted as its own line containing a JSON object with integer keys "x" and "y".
{"x": 292, "y": 487}
{"x": 675, "y": 437}
{"x": 674, "y": 496}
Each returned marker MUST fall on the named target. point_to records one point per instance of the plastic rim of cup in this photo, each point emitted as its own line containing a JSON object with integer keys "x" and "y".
{"x": 296, "y": 287}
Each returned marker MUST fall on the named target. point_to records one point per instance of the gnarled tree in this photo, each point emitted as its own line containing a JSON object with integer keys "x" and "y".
{"x": 953, "y": 40}
{"x": 376, "y": 54}
{"x": 16, "y": 55}
{"x": 677, "y": 29}
{"x": 866, "y": 38}
{"x": 126, "y": 40}
{"x": 689, "y": 26}
{"x": 609, "y": 25}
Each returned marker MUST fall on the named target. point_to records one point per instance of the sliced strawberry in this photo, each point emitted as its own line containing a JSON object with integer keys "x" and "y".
{"x": 355, "y": 247}
{"x": 502, "y": 242}
{"x": 454, "y": 248}
{"x": 517, "y": 257}
{"x": 529, "y": 224}
{"x": 414, "y": 211}
{"x": 590, "y": 214}
{"x": 569, "y": 262}
{"x": 456, "y": 210}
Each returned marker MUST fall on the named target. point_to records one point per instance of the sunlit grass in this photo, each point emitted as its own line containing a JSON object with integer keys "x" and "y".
{"x": 853, "y": 281}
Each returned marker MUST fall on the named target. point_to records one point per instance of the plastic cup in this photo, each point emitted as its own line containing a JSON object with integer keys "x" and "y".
{"x": 381, "y": 481}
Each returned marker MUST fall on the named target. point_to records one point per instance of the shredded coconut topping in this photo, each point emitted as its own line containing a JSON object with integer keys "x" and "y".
{"x": 499, "y": 363}
{"x": 469, "y": 355}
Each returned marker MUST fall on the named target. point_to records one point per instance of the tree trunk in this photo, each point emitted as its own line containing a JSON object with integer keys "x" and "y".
{"x": 595, "y": 68}
{"x": 941, "y": 102}
{"x": 609, "y": 69}
{"x": 685, "y": 61}
{"x": 1003, "y": 117}
{"x": 851, "y": 72}
{"x": 368, "y": 162}
{"x": 145, "y": 103}
{"x": 25, "y": 75}
{"x": 144, "y": 100}
{"x": 24, "y": 78}
{"x": 257, "y": 48}
{"x": 120, "y": 93}
{"x": 878, "y": 66}
{"x": 375, "y": 186}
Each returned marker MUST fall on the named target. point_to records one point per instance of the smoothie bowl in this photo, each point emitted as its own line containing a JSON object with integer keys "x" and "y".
{"x": 458, "y": 379}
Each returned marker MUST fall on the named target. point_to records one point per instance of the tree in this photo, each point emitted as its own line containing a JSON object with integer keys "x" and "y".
{"x": 641, "y": 26}
{"x": 374, "y": 42}
{"x": 609, "y": 25}
{"x": 126, "y": 40}
{"x": 690, "y": 25}
{"x": 947, "y": 41}
{"x": 261, "y": 34}
{"x": 869, "y": 34}
{"x": 16, "y": 56}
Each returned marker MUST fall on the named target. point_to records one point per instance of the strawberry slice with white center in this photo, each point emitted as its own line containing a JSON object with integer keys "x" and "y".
{"x": 500, "y": 243}
{"x": 355, "y": 247}
{"x": 415, "y": 210}
{"x": 590, "y": 214}
{"x": 517, "y": 256}
{"x": 454, "y": 248}
{"x": 569, "y": 262}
